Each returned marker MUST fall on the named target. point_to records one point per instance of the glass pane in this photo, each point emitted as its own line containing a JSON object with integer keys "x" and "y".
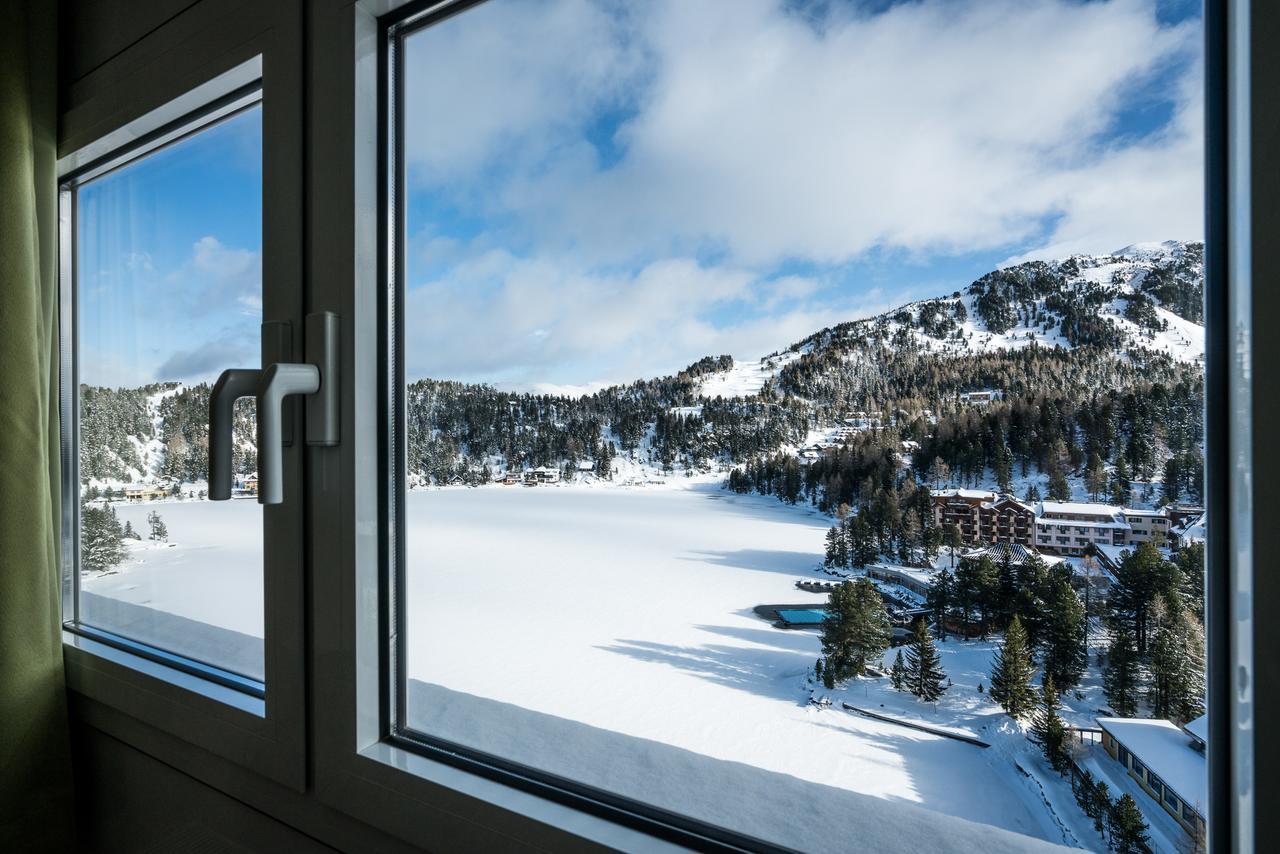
{"x": 764, "y": 361}
{"x": 169, "y": 290}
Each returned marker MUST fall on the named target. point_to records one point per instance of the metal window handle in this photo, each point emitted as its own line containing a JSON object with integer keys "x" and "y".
{"x": 232, "y": 385}
{"x": 271, "y": 385}
{"x": 278, "y": 382}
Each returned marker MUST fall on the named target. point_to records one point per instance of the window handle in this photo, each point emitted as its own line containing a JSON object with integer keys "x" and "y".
{"x": 232, "y": 385}
{"x": 317, "y": 378}
{"x": 278, "y": 382}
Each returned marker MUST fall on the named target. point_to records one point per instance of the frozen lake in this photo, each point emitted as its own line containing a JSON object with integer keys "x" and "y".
{"x": 625, "y": 610}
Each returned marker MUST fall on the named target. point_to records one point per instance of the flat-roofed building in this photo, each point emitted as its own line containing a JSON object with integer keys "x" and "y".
{"x": 1167, "y": 762}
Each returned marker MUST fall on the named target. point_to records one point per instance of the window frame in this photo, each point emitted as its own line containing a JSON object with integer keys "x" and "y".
{"x": 363, "y": 764}
{"x": 172, "y": 83}
{"x": 340, "y": 609}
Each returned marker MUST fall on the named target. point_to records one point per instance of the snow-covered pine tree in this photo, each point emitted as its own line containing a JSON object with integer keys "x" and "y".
{"x": 1011, "y": 673}
{"x": 940, "y": 598}
{"x": 159, "y": 531}
{"x": 1176, "y": 690}
{"x": 1048, "y": 731}
{"x": 898, "y": 673}
{"x": 855, "y": 631}
{"x": 100, "y": 537}
{"x": 1064, "y": 651}
{"x": 1126, "y": 827}
{"x": 1120, "y": 676}
{"x": 924, "y": 673}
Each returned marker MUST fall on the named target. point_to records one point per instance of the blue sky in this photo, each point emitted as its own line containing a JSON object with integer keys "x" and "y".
{"x": 169, "y": 260}
{"x": 597, "y": 194}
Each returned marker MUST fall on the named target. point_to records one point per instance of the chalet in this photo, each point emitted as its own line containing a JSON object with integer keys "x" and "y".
{"x": 144, "y": 492}
{"x": 540, "y": 475}
{"x": 1167, "y": 762}
{"x": 982, "y": 396}
{"x": 984, "y": 517}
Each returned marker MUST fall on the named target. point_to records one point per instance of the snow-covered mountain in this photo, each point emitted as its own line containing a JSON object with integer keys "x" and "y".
{"x": 1065, "y": 329}
{"x": 1147, "y": 297}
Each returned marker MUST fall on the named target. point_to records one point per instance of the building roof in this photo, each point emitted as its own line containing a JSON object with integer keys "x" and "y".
{"x": 1135, "y": 511}
{"x": 1079, "y": 508}
{"x": 1018, "y": 554}
{"x": 980, "y": 494}
{"x": 1080, "y": 523}
{"x": 1199, "y": 729}
{"x": 1166, "y": 750}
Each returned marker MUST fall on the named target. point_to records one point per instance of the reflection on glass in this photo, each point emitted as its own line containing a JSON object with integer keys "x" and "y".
{"x": 954, "y": 452}
{"x": 169, "y": 289}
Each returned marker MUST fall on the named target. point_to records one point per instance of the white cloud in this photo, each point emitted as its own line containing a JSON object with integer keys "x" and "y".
{"x": 554, "y": 322}
{"x": 932, "y": 126}
{"x": 752, "y": 138}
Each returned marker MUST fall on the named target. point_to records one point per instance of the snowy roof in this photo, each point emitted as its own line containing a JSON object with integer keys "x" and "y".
{"x": 1166, "y": 750}
{"x": 921, "y": 576}
{"x": 1134, "y": 511}
{"x": 1078, "y": 508}
{"x": 1080, "y": 523}
{"x": 964, "y": 493}
{"x": 1199, "y": 728}
{"x": 1018, "y": 554}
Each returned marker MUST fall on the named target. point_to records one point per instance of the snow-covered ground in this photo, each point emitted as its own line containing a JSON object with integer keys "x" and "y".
{"x": 630, "y": 611}
{"x": 627, "y": 613}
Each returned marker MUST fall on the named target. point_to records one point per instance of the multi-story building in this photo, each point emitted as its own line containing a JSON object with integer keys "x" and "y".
{"x": 1070, "y": 527}
{"x": 984, "y": 517}
{"x": 1147, "y": 526}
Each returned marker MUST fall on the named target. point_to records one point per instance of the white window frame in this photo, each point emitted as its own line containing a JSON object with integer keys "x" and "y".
{"x": 161, "y": 88}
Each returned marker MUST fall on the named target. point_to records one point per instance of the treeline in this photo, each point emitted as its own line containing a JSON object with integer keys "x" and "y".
{"x": 112, "y": 418}
{"x": 1104, "y": 419}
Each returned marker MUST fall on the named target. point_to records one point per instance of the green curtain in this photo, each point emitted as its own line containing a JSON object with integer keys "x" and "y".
{"x": 35, "y": 765}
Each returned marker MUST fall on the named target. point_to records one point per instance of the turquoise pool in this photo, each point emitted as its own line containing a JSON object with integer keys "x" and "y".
{"x": 803, "y": 617}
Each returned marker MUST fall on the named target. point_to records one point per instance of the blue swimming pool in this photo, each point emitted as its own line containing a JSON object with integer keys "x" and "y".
{"x": 803, "y": 617}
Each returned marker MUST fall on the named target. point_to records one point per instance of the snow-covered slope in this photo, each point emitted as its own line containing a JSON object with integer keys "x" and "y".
{"x": 1144, "y": 296}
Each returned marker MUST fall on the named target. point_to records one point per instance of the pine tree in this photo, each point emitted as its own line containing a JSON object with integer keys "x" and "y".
{"x": 898, "y": 673}
{"x": 953, "y": 542}
{"x": 129, "y": 532}
{"x": 856, "y": 629}
{"x": 1126, "y": 827}
{"x": 940, "y": 598}
{"x": 1120, "y": 676}
{"x": 101, "y": 536}
{"x": 1048, "y": 731}
{"x": 1059, "y": 487}
{"x": 1011, "y": 673}
{"x": 834, "y": 547}
{"x": 862, "y": 547}
{"x": 1100, "y": 806}
{"x": 1064, "y": 652}
{"x": 158, "y": 529}
{"x": 924, "y": 673}
{"x": 1176, "y": 690}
